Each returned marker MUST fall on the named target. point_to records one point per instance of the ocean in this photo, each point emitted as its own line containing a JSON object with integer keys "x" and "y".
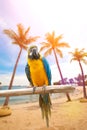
{"x": 24, "y": 98}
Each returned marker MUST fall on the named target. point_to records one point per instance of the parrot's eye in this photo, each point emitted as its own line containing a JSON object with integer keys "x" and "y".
{"x": 30, "y": 53}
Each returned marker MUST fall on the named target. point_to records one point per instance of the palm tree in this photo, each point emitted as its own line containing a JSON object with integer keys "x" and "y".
{"x": 22, "y": 40}
{"x": 78, "y": 55}
{"x": 53, "y": 44}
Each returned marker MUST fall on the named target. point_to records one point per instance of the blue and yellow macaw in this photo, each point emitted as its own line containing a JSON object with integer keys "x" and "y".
{"x": 39, "y": 74}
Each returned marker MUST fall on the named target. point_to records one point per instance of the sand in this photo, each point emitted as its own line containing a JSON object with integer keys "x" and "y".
{"x": 65, "y": 115}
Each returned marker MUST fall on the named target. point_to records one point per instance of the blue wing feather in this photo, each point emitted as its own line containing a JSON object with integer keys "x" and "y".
{"x": 27, "y": 71}
{"x": 47, "y": 68}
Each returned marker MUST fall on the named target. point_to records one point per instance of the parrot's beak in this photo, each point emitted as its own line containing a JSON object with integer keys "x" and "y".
{"x": 34, "y": 52}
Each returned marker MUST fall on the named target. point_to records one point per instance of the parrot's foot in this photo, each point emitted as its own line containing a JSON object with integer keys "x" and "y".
{"x": 44, "y": 88}
{"x": 34, "y": 88}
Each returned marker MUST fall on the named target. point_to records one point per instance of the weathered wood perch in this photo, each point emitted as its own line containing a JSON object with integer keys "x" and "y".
{"x": 38, "y": 90}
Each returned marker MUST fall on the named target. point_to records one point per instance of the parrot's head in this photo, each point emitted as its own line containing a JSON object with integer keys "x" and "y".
{"x": 33, "y": 53}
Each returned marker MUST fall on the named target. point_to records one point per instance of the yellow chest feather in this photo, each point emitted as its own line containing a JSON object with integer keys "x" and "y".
{"x": 38, "y": 74}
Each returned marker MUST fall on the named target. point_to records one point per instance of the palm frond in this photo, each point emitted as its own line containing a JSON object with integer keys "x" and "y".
{"x": 75, "y": 59}
{"x": 82, "y": 50}
{"x": 50, "y": 37}
{"x": 54, "y": 43}
{"x": 26, "y": 32}
{"x": 72, "y": 53}
{"x": 53, "y": 34}
{"x": 84, "y": 54}
{"x": 48, "y": 52}
{"x": 20, "y": 30}
{"x": 63, "y": 44}
{"x": 79, "y": 55}
{"x": 44, "y": 47}
{"x": 84, "y": 61}
{"x": 20, "y": 38}
{"x": 10, "y": 33}
{"x": 14, "y": 42}
{"x": 59, "y": 52}
{"x": 31, "y": 39}
{"x": 57, "y": 39}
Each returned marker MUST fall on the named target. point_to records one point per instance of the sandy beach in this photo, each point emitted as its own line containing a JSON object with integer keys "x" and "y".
{"x": 65, "y": 115}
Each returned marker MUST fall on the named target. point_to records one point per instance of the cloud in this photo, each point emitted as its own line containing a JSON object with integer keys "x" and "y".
{"x": 18, "y": 79}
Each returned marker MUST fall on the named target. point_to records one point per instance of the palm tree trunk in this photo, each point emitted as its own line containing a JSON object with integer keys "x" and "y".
{"x": 12, "y": 78}
{"x": 84, "y": 88}
{"x": 58, "y": 66}
{"x": 68, "y": 97}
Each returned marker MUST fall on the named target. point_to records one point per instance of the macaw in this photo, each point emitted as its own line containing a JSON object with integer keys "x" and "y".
{"x": 38, "y": 73}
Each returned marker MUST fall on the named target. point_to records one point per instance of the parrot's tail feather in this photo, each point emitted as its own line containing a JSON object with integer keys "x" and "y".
{"x": 45, "y": 105}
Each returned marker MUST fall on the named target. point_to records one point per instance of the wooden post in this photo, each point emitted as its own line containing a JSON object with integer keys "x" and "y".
{"x": 38, "y": 90}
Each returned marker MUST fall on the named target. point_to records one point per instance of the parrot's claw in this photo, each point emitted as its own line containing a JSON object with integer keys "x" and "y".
{"x": 34, "y": 88}
{"x": 44, "y": 88}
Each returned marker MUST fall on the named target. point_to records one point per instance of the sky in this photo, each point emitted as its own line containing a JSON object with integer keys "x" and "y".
{"x": 67, "y": 17}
